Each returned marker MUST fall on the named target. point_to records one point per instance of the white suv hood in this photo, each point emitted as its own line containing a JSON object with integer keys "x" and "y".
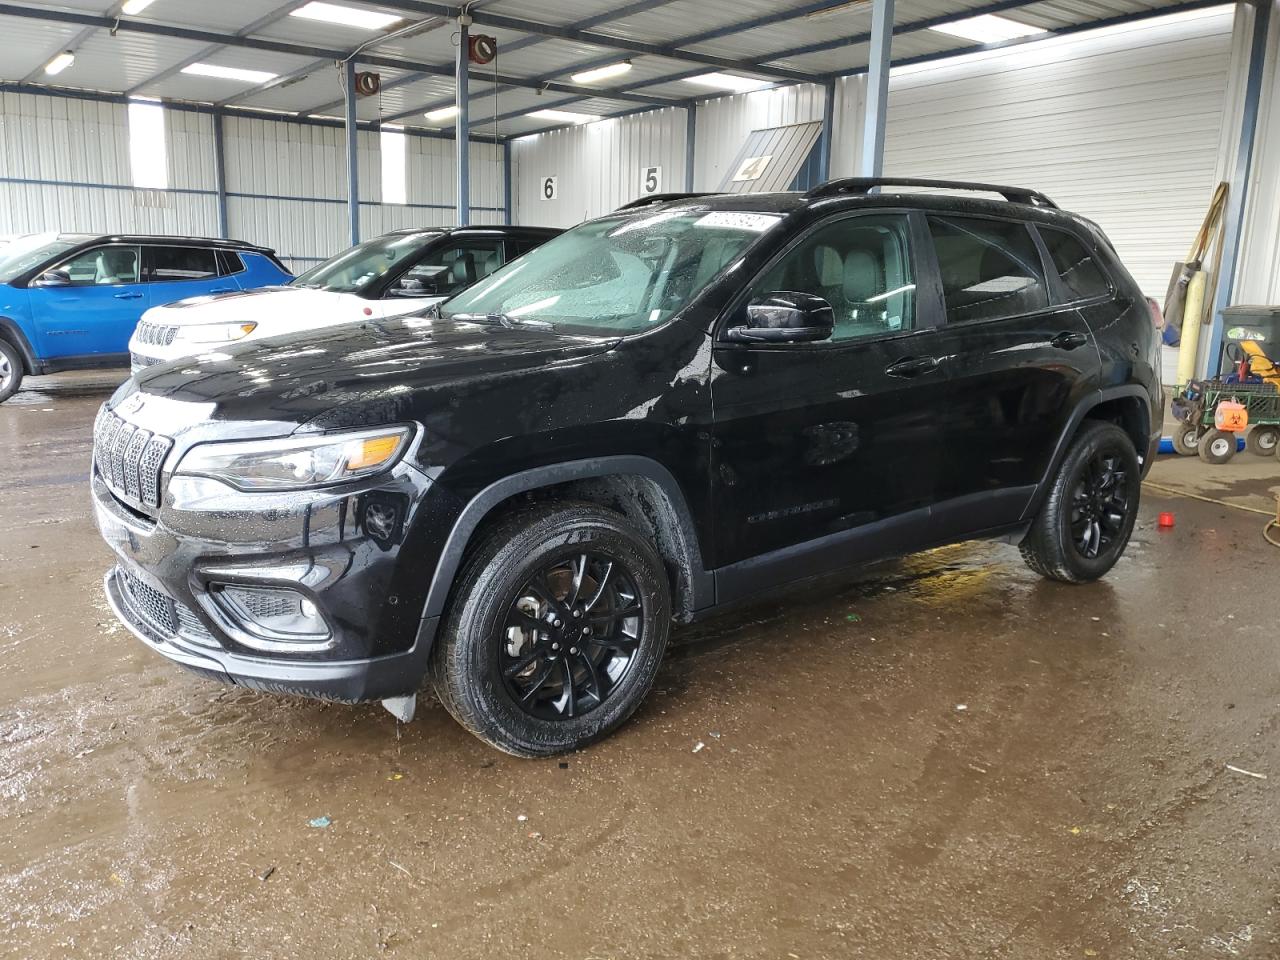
{"x": 275, "y": 310}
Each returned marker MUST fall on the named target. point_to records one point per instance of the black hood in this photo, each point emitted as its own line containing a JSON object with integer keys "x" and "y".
{"x": 358, "y": 373}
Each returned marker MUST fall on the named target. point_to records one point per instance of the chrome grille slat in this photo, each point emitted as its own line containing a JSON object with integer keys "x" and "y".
{"x": 129, "y": 460}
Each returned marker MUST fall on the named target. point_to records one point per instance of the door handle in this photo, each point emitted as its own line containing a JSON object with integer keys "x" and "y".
{"x": 128, "y": 296}
{"x": 1068, "y": 340}
{"x": 909, "y": 367}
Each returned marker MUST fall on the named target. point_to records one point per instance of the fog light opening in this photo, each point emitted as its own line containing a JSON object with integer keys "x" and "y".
{"x": 276, "y": 614}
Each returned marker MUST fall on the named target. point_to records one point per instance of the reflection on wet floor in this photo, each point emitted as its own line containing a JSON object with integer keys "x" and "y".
{"x": 939, "y": 756}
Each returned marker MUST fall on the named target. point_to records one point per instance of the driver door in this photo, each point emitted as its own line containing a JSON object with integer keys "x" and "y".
{"x": 835, "y": 441}
{"x": 93, "y": 303}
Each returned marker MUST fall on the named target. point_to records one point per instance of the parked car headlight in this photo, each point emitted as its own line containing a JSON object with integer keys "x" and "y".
{"x": 214, "y": 332}
{"x": 296, "y": 463}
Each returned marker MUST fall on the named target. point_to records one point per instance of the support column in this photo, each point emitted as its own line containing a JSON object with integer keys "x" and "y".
{"x": 353, "y": 173}
{"x": 828, "y": 131}
{"x": 462, "y": 130}
{"x": 506, "y": 183}
{"x": 1238, "y": 197}
{"x": 690, "y": 135}
{"x": 871, "y": 162}
{"x": 220, "y": 174}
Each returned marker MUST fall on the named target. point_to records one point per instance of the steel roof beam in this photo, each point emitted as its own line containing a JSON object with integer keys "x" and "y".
{"x": 293, "y": 49}
{"x": 607, "y": 42}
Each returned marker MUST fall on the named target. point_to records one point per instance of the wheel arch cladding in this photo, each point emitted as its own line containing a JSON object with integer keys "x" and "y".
{"x": 1130, "y": 414}
{"x": 641, "y": 490}
{"x": 12, "y": 334}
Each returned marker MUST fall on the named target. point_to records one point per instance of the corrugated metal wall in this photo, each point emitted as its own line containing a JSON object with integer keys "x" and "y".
{"x": 1258, "y": 279}
{"x": 598, "y": 166}
{"x": 724, "y": 123}
{"x": 1122, "y": 126}
{"x": 64, "y": 165}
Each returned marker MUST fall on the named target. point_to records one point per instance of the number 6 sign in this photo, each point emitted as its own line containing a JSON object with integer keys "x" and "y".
{"x": 550, "y": 186}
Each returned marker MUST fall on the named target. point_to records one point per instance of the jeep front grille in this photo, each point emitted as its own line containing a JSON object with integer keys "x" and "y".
{"x": 156, "y": 334}
{"x": 129, "y": 459}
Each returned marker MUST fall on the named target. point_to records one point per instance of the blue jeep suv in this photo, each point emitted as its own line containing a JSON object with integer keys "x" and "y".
{"x": 71, "y": 301}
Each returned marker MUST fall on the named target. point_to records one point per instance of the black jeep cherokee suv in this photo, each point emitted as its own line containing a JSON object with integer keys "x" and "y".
{"x": 657, "y": 413}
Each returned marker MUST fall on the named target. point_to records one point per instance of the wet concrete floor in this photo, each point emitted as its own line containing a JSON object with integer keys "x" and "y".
{"x": 939, "y": 757}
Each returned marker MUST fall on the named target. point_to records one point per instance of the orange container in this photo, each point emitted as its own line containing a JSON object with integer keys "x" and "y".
{"x": 1230, "y": 416}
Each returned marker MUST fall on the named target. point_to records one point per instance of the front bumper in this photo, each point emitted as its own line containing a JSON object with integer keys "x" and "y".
{"x": 168, "y": 565}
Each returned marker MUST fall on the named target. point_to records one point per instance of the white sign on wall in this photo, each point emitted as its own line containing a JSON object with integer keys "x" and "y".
{"x": 550, "y": 188}
{"x": 752, "y": 168}
{"x": 650, "y": 179}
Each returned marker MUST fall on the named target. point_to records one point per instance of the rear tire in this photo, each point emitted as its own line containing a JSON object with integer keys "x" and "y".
{"x": 10, "y": 370}
{"x": 1186, "y": 440}
{"x": 1262, "y": 441}
{"x": 555, "y": 630}
{"x": 1217, "y": 446}
{"x": 1086, "y": 519}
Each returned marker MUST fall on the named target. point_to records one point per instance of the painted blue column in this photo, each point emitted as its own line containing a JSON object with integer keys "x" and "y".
{"x": 828, "y": 131}
{"x": 220, "y": 174}
{"x": 871, "y": 163}
{"x": 462, "y": 134}
{"x": 690, "y": 136}
{"x": 1226, "y": 279}
{"x": 353, "y": 173}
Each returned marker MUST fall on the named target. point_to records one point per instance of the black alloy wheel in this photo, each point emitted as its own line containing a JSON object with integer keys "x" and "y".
{"x": 571, "y": 636}
{"x": 1099, "y": 504}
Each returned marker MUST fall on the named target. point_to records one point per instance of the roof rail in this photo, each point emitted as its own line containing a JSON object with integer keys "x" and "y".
{"x": 863, "y": 185}
{"x": 655, "y": 198}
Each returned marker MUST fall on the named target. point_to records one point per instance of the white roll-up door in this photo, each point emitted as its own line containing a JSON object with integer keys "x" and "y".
{"x": 1120, "y": 125}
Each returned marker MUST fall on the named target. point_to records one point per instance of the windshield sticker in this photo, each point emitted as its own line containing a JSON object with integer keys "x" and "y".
{"x": 732, "y": 220}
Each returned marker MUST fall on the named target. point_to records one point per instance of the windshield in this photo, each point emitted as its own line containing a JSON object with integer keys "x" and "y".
{"x": 20, "y": 255}
{"x": 620, "y": 275}
{"x": 355, "y": 269}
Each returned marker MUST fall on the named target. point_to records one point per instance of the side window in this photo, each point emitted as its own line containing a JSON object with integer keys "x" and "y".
{"x": 182, "y": 263}
{"x": 102, "y": 265}
{"x": 449, "y": 268}
{"x": 229, "y": 262}
{"x": 990, "y": 268}
{"x": 1082, "y": 278}
{"x": 859, "y": 265}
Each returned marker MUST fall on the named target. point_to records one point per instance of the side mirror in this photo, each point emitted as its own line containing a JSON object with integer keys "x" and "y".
{"x": 56, "y": 277}
{"x": 786, "y": 317}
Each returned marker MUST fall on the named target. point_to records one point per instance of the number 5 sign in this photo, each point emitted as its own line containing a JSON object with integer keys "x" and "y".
{"x": 650, "y": 179}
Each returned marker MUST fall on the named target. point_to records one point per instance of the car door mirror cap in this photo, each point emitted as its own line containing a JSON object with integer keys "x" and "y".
{"x": 52, "y": 278}
{"x": 785, "y": 316}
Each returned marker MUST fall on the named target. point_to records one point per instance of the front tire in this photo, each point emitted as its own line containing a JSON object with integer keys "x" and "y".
{"x": 1217, "y": 446}
{"x": 555, "y": 631}
{"x": 1087, "y": 517}
{"x": 10, "y": 370}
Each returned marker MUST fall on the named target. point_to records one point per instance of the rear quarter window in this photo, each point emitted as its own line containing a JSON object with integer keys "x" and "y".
{"x": 1077, "y": 269}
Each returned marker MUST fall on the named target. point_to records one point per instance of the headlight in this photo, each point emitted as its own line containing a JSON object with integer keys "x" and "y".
{"x": 295, "y": 463}
{"x": 214, "y": 332}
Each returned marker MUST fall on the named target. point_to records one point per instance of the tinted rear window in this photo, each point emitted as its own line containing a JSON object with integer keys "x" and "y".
{"x": 990, "y": 268}
{"x": 1082, "y": 278}
{"x": 183, "y": 263}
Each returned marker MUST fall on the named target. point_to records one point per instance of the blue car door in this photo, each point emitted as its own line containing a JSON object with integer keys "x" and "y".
{"x": 88, "y": 305}
{"x": 176, "y": 272}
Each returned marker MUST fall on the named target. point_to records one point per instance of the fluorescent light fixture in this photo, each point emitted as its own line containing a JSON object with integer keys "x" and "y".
{"x": 345, "y": 16}
{"x": 134, "y": 7}
{"x": 148, "y": 153}
{"x": 227, "y": 73}
{"x": 729, "y": 81}
{"x": 252, "y": 109}
{"x": 602, "y": 73}
{"x": 988, "y": 28}
{"x": 443, "y": 114}
{"x": 563, "y": 116}
{"x": 60, "y": 63}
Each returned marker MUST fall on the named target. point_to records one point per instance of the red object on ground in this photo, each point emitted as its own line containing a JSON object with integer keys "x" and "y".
{"x": 368, "y": 311}
{"x": 1166, "y": 520}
